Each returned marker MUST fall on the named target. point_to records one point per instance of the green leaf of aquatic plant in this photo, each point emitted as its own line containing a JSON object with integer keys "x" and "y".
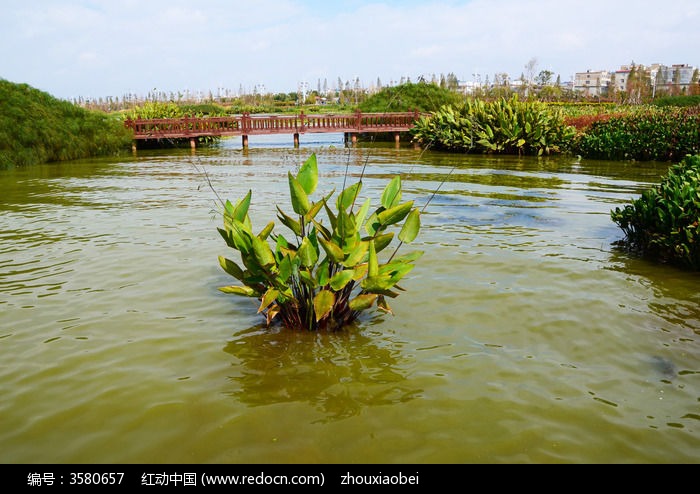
{"x": 269, "y": 297}
{"x": 308, "y": 174}
{"x": 322, "y": 273}
{"x": 348, "y": 196}
{"x": 325, "y": 233}
{"x": 340, "y": 280}
{"x": 395, "y": 271}
{"x": 300, "y": 200}
{"x": 240, "y": 210}
{"x": 345, "y": 225}
{"x": 383, "y": 305}
{"x": 410, "y": 257}
{"x": 266, "y": 231}
{"x": 285, "y": 269}
{"x": 373, "y": 269}
{"x": 411, "y": 227}
{"x": 334, "y": 252}
{"x": 380, "y": 285}
{"x": 226, "y": 234}
{"x": 357, "y": 255}
{"x": 281, "y": 243}
{"x": 244, "y": 291}
{"x": 381, "y": 242}
{"x": 363, "y": 301}
{"x": 316, "y": 207}
{"x": 323, "y": 303}
{"x": 373, "y": 225}
{"x": 231, "y": 268}
{"x": 240, "y": 235}
{"x": 331, "y": 216}
{"x": 362, "y": 214}
{"x": 395, "y": 214}
{"x": 391, "y": 196}
{"x": 306, "y": 278}
{"x": 360, "y": 272}
{"x": 263, "y": 252}
{"x": 289, "y": 222}
{"x": 308, "y": 255}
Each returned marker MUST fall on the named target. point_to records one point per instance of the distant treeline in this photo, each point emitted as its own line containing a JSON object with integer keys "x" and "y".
{"x": 36, "y": 127}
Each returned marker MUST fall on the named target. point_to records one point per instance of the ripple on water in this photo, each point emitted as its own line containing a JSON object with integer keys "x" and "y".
{"x": 521, "y": 337}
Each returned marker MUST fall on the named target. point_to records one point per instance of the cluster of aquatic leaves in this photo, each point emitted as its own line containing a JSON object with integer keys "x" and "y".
{"x": 663, "y": 223}
{"x": 327, "y": 271}
{"x": 656, "y": 134}
{"x": 504, "y": 126}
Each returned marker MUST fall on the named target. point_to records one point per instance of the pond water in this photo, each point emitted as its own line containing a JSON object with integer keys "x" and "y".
{"x": 524, "y": 335}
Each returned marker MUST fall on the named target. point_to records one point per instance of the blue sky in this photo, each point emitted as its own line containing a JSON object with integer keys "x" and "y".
{"x": 99, "y": 48}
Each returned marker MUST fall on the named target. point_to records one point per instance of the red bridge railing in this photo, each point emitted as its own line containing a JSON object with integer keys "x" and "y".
{"x": 246, "y": 124}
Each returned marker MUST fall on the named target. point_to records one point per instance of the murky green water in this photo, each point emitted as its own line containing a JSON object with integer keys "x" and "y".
{"x": 523, "y": 336}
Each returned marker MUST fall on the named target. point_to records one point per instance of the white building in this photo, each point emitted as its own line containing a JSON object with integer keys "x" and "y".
{"x": 592, "y": 83}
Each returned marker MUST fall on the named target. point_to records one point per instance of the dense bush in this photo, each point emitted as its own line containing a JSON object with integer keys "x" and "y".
{"x": 499, "y": 127}
{"x": 693, "y": 100}
{"x": 663, "y": 222}
{"x": 155, "y": 109}
{"x": 655, "y": 134}
{"x": 420, "y": 96}
{"x": 36, "y": 128}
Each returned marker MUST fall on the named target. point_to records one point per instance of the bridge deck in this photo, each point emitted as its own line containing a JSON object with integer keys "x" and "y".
{"x": 246, "y": 124}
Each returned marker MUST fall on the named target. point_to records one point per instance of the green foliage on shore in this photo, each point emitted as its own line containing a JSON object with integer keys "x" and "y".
{"x": 421, "y": 96}
{"x": 654, "y": 134}
{"x": 504, "y": 126}
{"x": 663, "y": 224}
{"x": 600, "y": 131}
{"x": 36, "y": 127}
{"x": 693, "y": 100}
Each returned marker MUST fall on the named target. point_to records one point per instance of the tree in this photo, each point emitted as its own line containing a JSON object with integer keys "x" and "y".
{"x": 530, "y": 73}
{"x": 452, "y": 82}
{"x": 544, "y": 78}
{"x": 676, "y": 81}
{"x": 639, "y": 88}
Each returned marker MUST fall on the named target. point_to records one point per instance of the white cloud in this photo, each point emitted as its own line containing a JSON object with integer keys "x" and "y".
{"x": 107, "y": 47}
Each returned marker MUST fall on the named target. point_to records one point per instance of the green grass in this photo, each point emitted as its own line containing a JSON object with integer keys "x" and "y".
{"x": 36, "y": 127}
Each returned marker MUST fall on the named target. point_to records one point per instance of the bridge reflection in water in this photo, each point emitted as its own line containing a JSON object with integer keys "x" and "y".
{"x": 351, "y": 124}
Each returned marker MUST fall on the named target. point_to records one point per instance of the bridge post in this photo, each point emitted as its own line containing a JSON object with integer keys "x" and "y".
{"x": 350, "y": 136}
{"x": 193, "y": 143}
{"x": 245, "y": 141}
{"x": 296, "y": 139}
{"x": 397, "y": 139}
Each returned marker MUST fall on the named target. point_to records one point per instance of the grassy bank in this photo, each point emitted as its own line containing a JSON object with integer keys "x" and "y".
{"x": 36, "y": 127}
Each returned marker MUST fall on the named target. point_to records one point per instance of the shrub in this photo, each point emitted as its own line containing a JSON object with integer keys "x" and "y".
{"x": 693, "y": 100}
{"x": 422, "y": 97}
{"x": 329, "y": 274}
{"x": 37, "y": 128}
{"x": 155, "y": 109}
{"x": 652, "y": 135}
{"x": 663, "y": 222}
{"x": 498, "y": 127}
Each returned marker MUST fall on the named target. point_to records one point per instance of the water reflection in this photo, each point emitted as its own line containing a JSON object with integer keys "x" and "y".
{"x": 676, "y": 299}
{"x": 339, "y": 374}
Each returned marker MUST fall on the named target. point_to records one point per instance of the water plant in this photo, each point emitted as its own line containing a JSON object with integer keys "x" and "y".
{"x": 326, "y": 273}
{"x": 664, "y": 223}
{"x": 504, "y": 126}
{"x": 650, "y": 134}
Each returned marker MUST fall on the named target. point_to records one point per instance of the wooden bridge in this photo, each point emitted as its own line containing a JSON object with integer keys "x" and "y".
{"x": 246, "y": 125}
